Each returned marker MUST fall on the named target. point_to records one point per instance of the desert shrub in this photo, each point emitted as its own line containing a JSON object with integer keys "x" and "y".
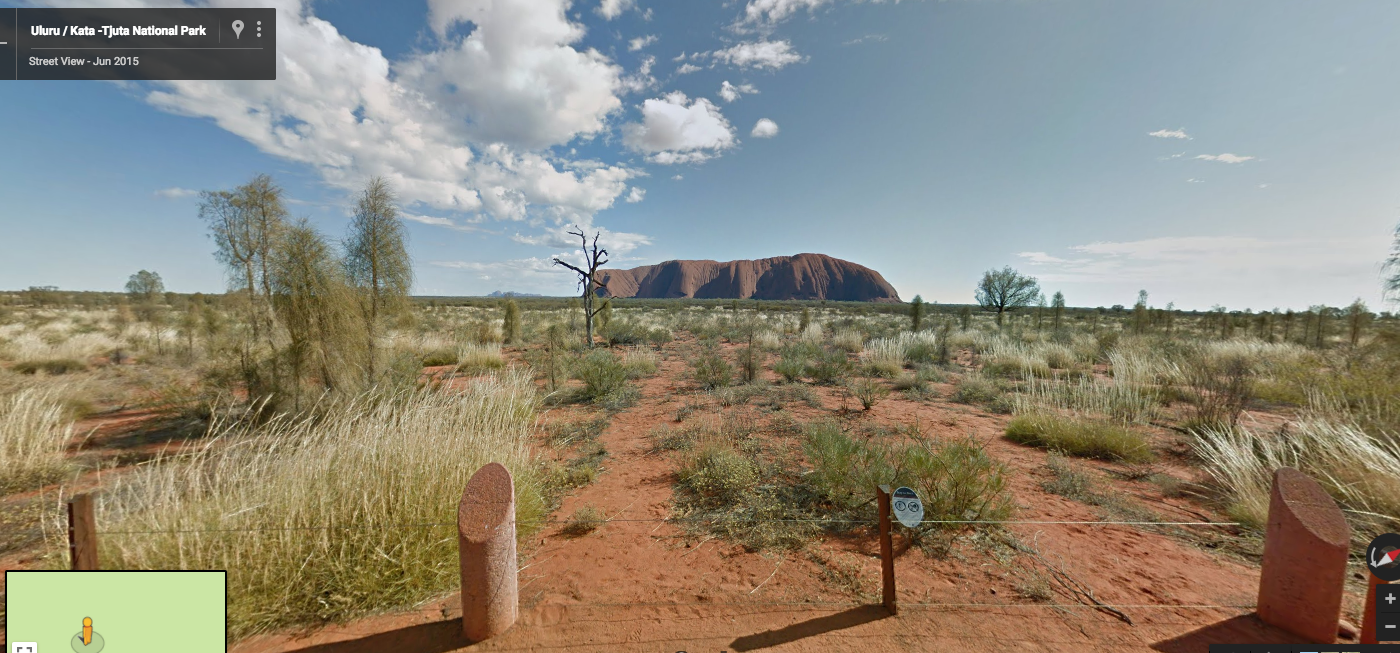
{"x": 510, "y": 323}
{"x": 882, "y": 369}
{"x": 1116, "y": 399}
{"x": 739, "y": 395}
{"x": 830, "y": 366}
{"x": 584, "y": 521}
{"x": 34, "y": 430}
{"x": 54, "y": 366}
{"x": 790, "y": 369}
{"x": 719, "y": 472}
{"x": 908, "y": 382}
{"x": 624, "y": 332}
{"x": 1223, "y": 385}
{"x": 750, "y": 363}
{"x": 710, "y": 370}
{"x": 668, "y": 438}
{"x": 955, "y": 478}
{"x": 1069, "y": 480}
{"x": 1079, "y": 437}
{"x": 602, "y": 374}
{"x": 307, "y": 515}
{"x": 869, "y": 392}
{"x": 930, "y": 374}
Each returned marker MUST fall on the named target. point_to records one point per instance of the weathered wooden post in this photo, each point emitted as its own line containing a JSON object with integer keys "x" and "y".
{"x": 886, "y": 548}
{"x": 486, "y": 548}
{"x": 1305, "y": 558}
{"x": 82, "y": 533}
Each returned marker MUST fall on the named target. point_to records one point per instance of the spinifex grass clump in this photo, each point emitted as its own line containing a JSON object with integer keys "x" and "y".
{"x": 1360, "y": 471}
{"x": 34, "y": 430}
{"x": 323, "y": 519}
{"x": 1079, "y": 436}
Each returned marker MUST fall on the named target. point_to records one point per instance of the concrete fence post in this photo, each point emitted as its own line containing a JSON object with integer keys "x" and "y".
{"x": 1305, "y": 558}
{"x": 486, "y": 548}
{"x": 82, "y": 533}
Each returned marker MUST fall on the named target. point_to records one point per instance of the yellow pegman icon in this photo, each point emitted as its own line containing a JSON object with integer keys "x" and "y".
{"x": 87, "y": 630}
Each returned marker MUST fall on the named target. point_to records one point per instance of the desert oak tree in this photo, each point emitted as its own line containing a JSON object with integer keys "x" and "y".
{"x": 1006, "y": 290}
{"x": 376, "y": 260}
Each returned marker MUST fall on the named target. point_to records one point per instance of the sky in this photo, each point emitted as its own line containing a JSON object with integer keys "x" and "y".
{"x": 1241, "y": 153}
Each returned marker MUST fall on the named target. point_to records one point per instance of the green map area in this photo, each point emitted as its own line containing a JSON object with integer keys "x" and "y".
{"x": 131, "y": 611}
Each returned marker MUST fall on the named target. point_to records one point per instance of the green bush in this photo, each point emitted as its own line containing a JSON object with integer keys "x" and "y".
{"x": 830, "y": 366}
{"x": 1080, "y": 437}
{"x": 438, "y": 357}
{"x": 791, "y": 369}
{"x": 602, "y": 374}
{"x": 711, "y": 370}
{"x": 719, "y": 473}
{"x": 869, "y": 392}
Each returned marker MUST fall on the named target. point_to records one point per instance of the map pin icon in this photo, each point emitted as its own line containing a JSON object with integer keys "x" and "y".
{"x": 237, "y": 28}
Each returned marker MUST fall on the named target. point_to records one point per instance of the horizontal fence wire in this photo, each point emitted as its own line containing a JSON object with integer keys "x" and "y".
{"x": 683, "y": 520}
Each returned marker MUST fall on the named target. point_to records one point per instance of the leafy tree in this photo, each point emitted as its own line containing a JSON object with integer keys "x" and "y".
{"x": 1057, "y": 307}
{"x": 1006, "y": 290}
{"x": 145, "y": 287}
{"x": 377, "y": 261}
{"x": 245, "y": 224}
{"x": 916, "y": 312}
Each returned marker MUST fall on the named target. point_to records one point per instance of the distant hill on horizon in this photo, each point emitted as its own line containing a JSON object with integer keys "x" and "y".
{"x": 804, "y": 276}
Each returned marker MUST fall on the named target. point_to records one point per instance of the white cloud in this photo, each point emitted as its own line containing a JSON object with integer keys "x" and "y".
{"x": 462, "y": 126}
{"x": 687, "y": 68}
{"x": 642, "y": 80}
{"x": 772, "y": 11}
{"x": 1178, "y": 155}
{"x": 1263, "y": 185}
{"x": 730, "y": 92}
{"x": 873, "y": 38}
{"x": 1172, "y": 133}
{"x": 636, "y": 195}
{"x": 427, "y": 219}
{"x": 1198, "y": 271}
{"x": 764, "y": 128}
{"x": 1224, "y": 158}
{"x": 1194, "y": 180}
{"x": 610, "y": 9}
{"x": 175, "y": 193}
{"x": 675, "y": 129}
{"x": 771, "y": 55}
{"x": 677, "y": 177}
{"x": 617, "y": 243}
{"x": 641, "y": 42}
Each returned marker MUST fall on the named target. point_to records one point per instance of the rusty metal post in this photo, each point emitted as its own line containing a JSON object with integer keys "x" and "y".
{"x": 886, "y": 549}
{"x": 82, "y": 533}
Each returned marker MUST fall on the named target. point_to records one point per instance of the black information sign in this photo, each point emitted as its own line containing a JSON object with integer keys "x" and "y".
{"x": 138, "y": 44}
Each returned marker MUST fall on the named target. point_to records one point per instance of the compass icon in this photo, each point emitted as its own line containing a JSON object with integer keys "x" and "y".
{"x": 1383, "y": 557}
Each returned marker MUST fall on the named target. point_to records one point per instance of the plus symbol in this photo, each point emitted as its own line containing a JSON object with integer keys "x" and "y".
{"x": 1390, "y": 598}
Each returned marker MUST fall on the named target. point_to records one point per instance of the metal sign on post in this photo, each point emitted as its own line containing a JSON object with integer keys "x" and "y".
{"x": 907, "y": 507}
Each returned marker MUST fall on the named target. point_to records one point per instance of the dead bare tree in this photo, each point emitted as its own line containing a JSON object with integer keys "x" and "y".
{"x": 593, "y": 258}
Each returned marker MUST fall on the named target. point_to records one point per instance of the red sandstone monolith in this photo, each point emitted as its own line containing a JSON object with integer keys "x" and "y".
{"x": 486, "y": 547}
{"x": 1305, "y": 558}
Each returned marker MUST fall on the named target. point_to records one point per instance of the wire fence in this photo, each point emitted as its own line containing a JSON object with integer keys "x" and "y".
{"x": 684, "y": 520}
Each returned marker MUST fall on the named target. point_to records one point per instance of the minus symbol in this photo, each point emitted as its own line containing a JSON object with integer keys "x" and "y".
{"x": 1390, "y": 625}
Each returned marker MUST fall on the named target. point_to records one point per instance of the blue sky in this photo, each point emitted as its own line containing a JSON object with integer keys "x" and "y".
{"x": 1240, "y": 153}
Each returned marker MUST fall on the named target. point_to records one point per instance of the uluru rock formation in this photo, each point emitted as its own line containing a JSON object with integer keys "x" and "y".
{"x": 805, "y": 276}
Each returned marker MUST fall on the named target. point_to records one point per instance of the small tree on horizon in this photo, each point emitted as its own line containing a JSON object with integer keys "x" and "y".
{"x": 916, "y": 312}
{"x": 145, "y": 287}
{"x": 1006, "y": 290}
{"x": 593, "y": 258}
{"x": 1057, "y": 306}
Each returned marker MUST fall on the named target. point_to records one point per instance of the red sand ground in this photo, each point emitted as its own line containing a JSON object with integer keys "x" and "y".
{"x": 650, "y": 586}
